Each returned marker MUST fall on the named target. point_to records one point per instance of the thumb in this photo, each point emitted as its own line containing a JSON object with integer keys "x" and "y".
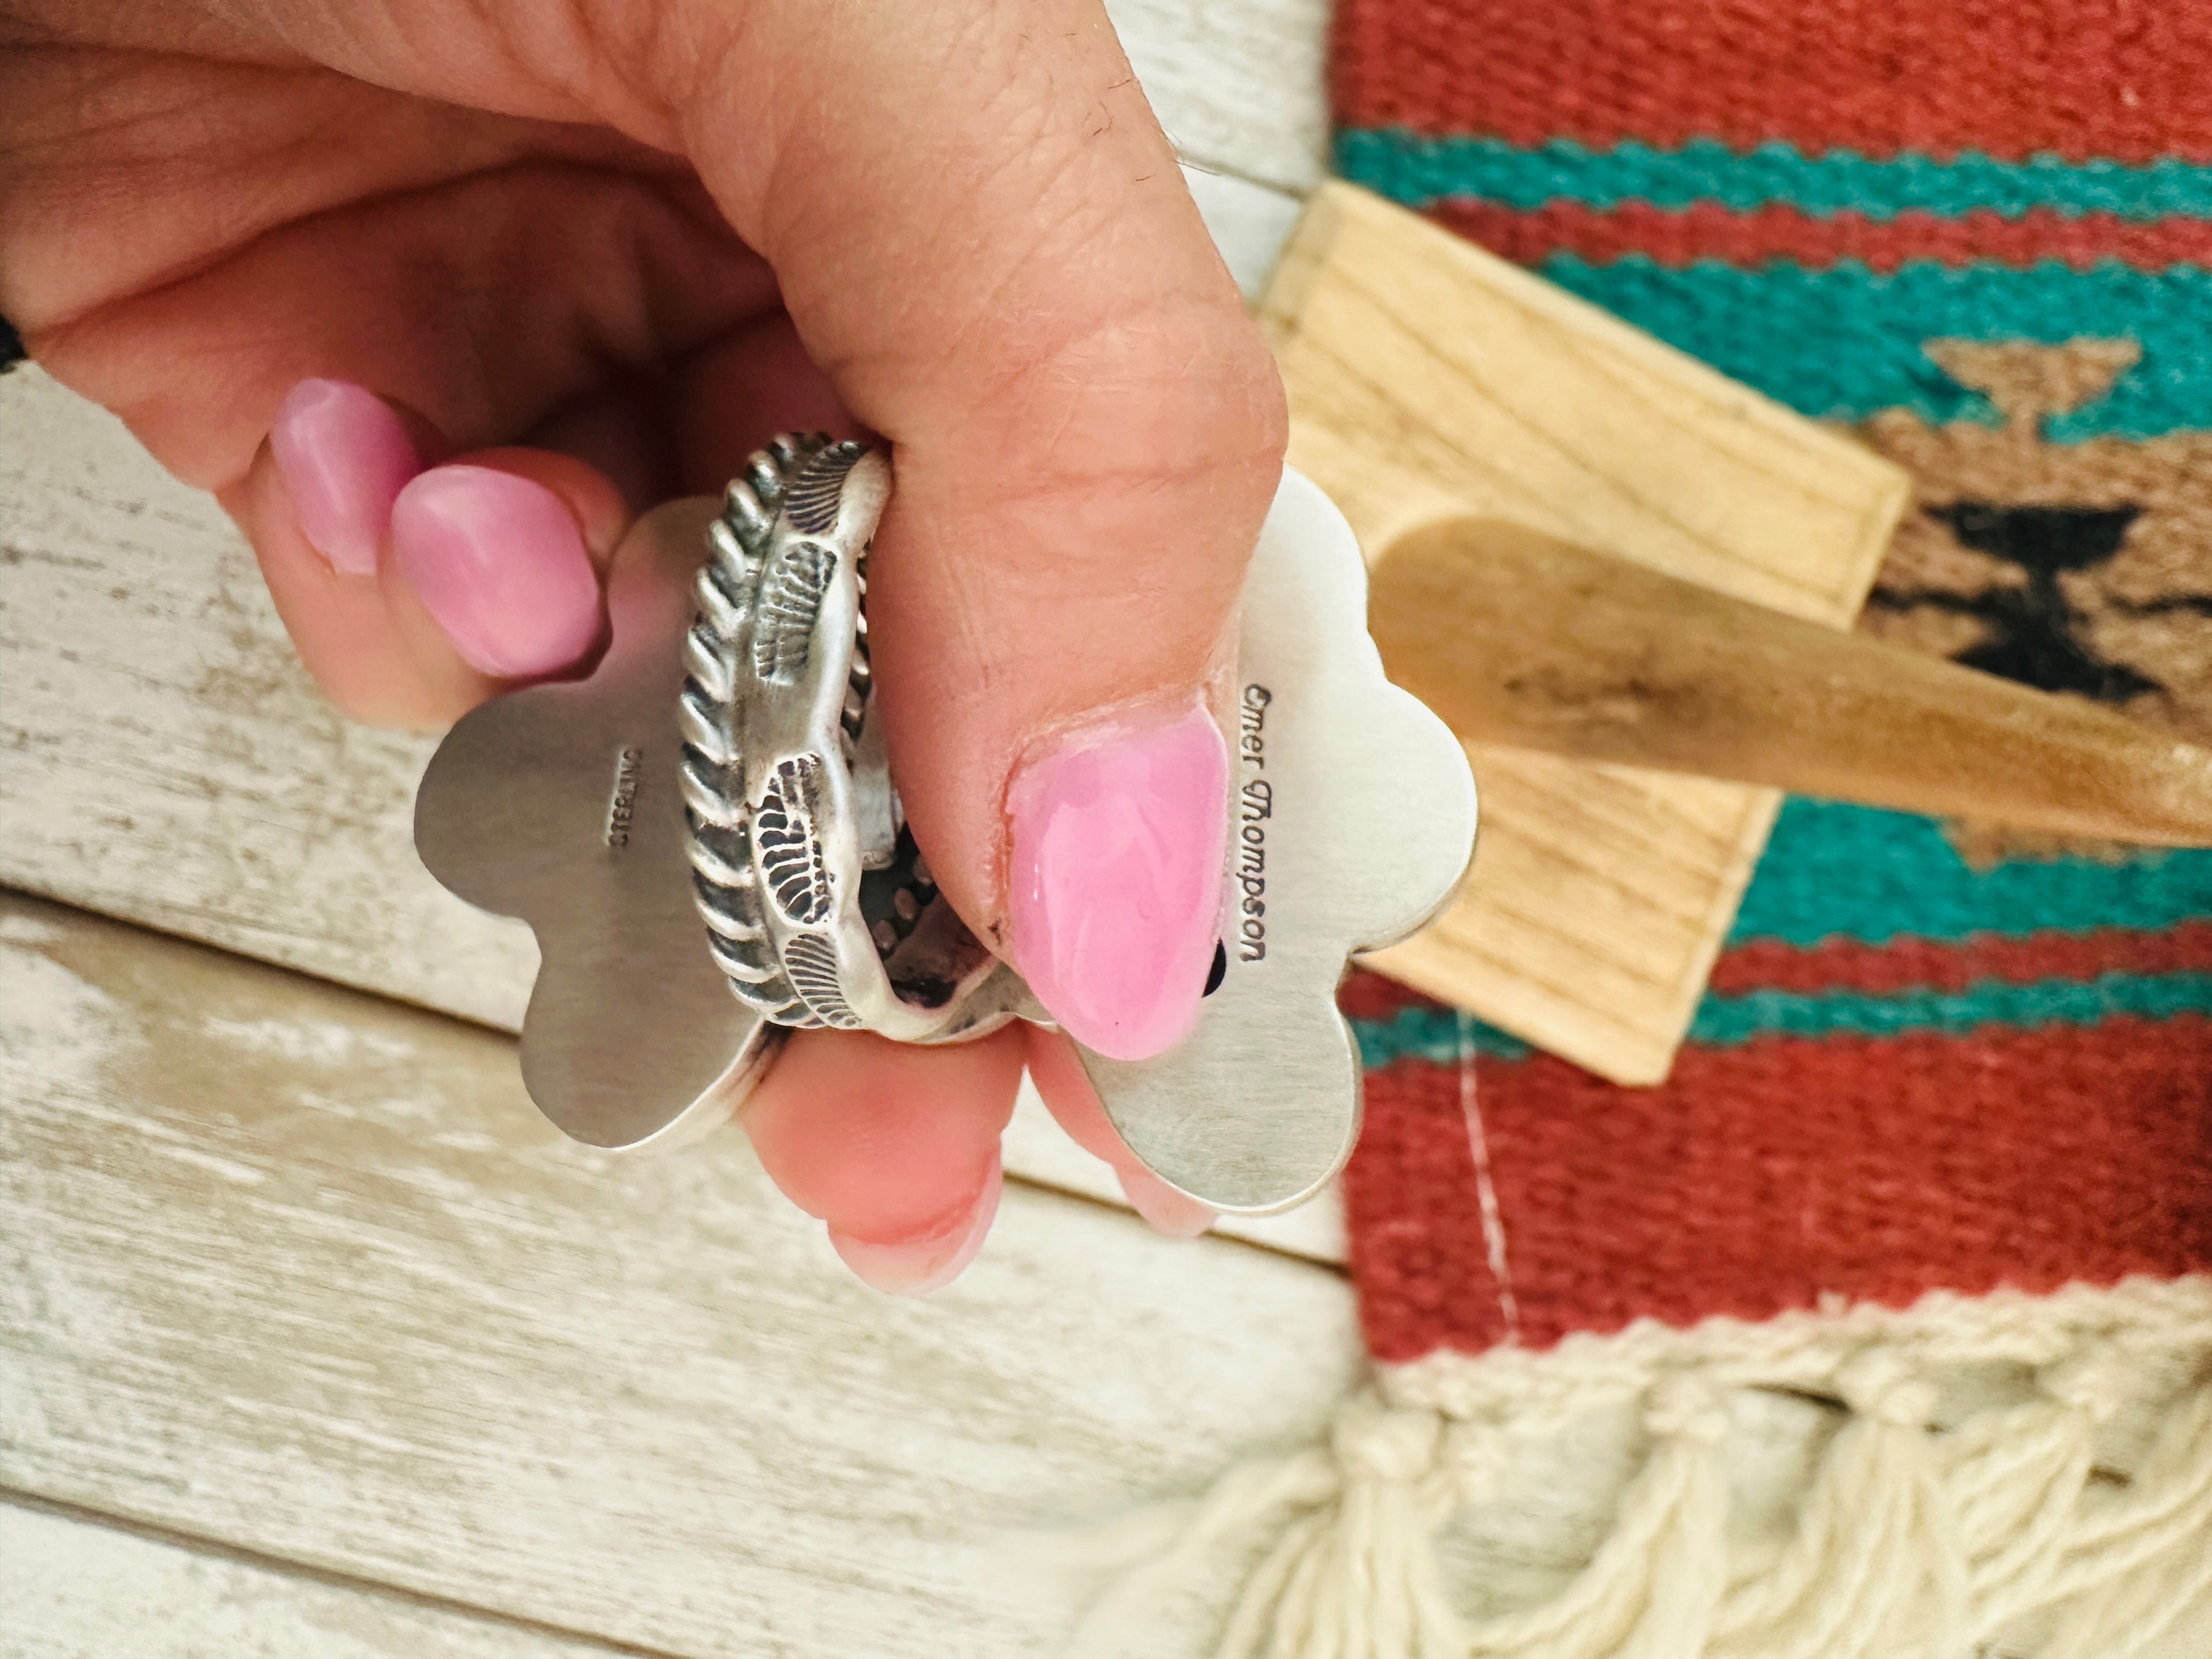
{"x": 997, "y": 261}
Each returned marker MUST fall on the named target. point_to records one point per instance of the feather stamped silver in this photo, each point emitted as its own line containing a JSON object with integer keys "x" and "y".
{"x": 818, "y": 906}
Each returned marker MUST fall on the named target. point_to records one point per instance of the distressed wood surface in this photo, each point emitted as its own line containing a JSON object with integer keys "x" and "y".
{"x": 287, "y": 1272}
{"x": 72, "y": 1588}
{"x": 1517, "y": 638}
{"x": 1239, "y": 85}
{"x": 281, "y": 1283}
{"x": 1429, "y": 381}
{"x": 286, "y": 1268}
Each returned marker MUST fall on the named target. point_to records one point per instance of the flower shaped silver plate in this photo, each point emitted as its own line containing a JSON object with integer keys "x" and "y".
{"x": 1351, "y": 814}
{"x": 1352, "y": 821}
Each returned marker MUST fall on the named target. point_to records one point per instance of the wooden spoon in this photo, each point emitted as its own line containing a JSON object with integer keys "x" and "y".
{"x": 1517, "y": 638}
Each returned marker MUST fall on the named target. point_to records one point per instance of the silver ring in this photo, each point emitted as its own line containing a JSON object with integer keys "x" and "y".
{"x": 819, "y": 907}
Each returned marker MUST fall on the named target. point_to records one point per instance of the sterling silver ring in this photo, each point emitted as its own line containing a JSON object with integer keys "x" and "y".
{"x": 725, "y": 761}
{"x": 819, "y": 910}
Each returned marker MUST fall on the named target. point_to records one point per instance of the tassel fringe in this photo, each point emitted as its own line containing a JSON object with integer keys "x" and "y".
{"x": 1970, "y": 1497}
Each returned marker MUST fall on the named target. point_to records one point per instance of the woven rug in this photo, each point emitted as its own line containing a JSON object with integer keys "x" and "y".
{"x": 1885, "y": 1327}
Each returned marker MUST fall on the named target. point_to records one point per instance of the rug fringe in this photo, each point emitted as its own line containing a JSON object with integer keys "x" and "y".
{"x": 1915, "y": 1536}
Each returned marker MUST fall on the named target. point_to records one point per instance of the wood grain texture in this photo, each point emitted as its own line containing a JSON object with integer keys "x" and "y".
{"x": 279, "y": 1282}
{"x": 169, "y": 762}
{"x": 74, "y": 1589}
{"x": 1431, "y": 381}
{"x": 1517, "y": 638}
{"x": 286, "y": 1268}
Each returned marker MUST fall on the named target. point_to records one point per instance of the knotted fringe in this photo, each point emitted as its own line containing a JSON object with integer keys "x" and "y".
{"x": 1944, "y": 1511}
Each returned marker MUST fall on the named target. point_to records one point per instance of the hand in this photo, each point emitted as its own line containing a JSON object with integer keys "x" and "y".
{"x": 436, "y": 296}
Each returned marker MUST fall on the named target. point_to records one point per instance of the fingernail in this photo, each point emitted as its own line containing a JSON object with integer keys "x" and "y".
{"x": 343, "y": 456}
{"x": 916, "y": 1267}
{"x": 1167, "y": 1210}
{"x": 1114, "y": 895}
{"x": 498, "y": 560}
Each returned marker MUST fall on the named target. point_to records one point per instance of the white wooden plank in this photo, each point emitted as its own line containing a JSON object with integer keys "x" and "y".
{"x": 275, "y": 1274}
{"x": 1249, "y": 223}
{"x": 72, "y": 1589}
{"x": 169, "y": 762}
{"x": 289, "y": 1268}
{"x": 1241, "y": 86}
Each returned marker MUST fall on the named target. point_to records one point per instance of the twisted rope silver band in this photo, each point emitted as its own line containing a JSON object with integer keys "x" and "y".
{"x": 819, "y": 910}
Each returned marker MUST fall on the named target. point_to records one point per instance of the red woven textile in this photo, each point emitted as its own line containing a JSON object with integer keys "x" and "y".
{"x": 2120, "y": 82}
{"x": 1981, "y": 234}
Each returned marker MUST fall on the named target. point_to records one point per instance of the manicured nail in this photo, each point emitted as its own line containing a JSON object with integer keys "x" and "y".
{"x": 1168, "y": 1210}
{"x": 1113, "y": 893}
{"x": 498, "y": 560}
{"x": 916, "y": 1267}
{"x": 344, "y": 457}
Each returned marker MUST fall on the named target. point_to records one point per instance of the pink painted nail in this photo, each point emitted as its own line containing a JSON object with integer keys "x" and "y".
{"x": 916, "y": 1267}
{"x": 344, "y": 457}
{"x": 1114, "y": 890}
{"x": 498, "y": 560}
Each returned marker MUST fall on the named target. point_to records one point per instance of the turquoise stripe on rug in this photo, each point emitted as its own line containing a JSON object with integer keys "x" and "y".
{"x": 1433, "y": 1035}
{"x": 1728, "y": 1022}
{"x": 1419, "y": 171}
{"x": 1832, "y": 870}
{"x": 1841, "y": 343}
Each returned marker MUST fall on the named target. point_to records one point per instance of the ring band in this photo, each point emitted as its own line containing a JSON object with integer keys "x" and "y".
{"x": 818, "y": 907}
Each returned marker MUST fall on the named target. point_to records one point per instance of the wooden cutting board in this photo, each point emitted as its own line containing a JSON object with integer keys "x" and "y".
{"x": 1429, "y": 380}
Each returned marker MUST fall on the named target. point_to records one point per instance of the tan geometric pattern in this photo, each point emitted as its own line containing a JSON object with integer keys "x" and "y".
{"x": 2096, "y": 556}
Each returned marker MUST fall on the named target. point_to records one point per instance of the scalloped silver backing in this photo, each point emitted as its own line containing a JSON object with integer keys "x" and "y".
{"x": 735, "y": 773}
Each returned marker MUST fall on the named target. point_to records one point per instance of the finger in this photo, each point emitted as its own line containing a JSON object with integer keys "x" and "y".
{"x": 318, "y": 538}
{"x": 1005, "y": 274}
{"x": 1075, "y": 1105}
{"x": 495, "y": 565}
{"x": 442, "y": 302}
{"x": 446, "y": 302}
{"x": 414, "y": 593}
{"x": 894, "y": 1147}
{"x": 481, "y": 590}
{"x": 729, "y": 398}
{"x": 621, "y": 430}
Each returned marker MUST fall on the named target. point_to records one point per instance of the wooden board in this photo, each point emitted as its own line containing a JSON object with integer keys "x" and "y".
{"x": 1241, "y": 86}
{"x": 1430, "y": 380}
{"x": 283, "y": 1277}
{"x": 285, "y": 1267}
{"x": 282, "y": 1288}
{"x": 75, "y": 1590}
